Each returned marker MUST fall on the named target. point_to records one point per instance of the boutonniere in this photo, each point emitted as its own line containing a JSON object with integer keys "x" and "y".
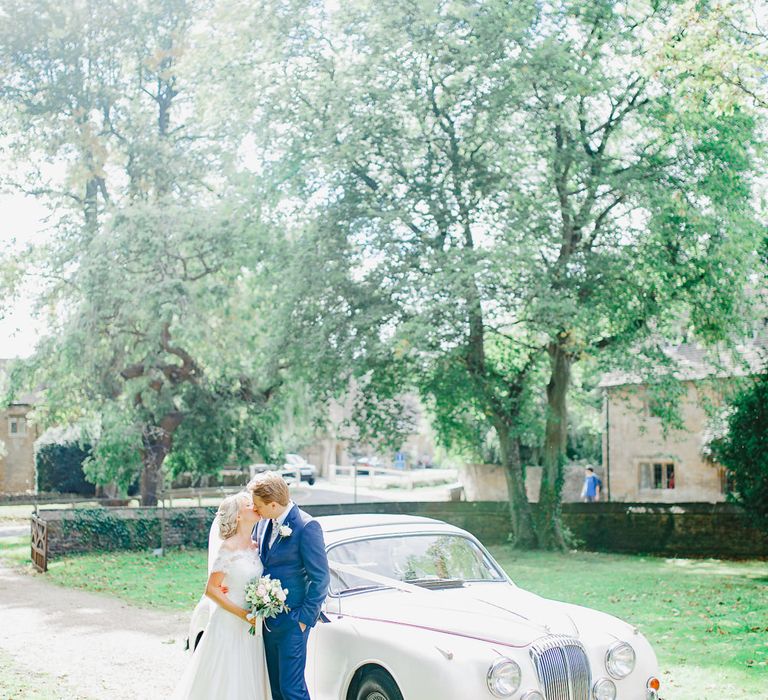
{"x": 284, "y": 531}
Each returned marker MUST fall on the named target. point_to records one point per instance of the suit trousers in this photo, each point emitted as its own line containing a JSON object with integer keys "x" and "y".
{"x": 286, "y": 651}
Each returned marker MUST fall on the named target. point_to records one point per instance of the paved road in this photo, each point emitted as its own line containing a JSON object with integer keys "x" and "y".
{"x": 14, "y": 530}
{"x": 321, "y": 493}
{"x": 325, "y": 491}
{"x": 93, "y": 646}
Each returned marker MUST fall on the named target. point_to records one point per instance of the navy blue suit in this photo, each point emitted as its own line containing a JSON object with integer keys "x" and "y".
{"x": 300, "y": 562}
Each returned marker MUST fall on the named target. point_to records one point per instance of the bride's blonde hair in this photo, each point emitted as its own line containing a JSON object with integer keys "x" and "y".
{"x": 228, "y": 511}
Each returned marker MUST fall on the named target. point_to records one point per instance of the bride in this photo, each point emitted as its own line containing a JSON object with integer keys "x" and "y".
{"x": 229, "y": 662}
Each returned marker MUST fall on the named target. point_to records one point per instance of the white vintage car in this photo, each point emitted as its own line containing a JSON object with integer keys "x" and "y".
{"x": 419, "y": 610}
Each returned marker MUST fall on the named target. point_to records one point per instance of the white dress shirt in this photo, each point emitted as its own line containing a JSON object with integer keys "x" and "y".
{"x": 277, "y": 523}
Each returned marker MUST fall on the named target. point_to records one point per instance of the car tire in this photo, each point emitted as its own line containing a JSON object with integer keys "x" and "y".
{"x": 311, "y": 481}
{"x": 377, "y": 684}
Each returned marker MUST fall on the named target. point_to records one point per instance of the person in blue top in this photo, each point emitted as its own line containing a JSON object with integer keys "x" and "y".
{"x": 590, "y": 492}
{"x": 291, "y": 547}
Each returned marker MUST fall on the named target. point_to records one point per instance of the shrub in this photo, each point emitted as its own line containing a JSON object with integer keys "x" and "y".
{"x": 60, "y": 468}
{"x": 744, "y": 450}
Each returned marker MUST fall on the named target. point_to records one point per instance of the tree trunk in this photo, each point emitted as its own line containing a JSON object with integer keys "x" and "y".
{"x": 523, "y": 530}
{"x": 157, "y": 442}
{"x": 549, "y": 520}
{"x": 153, "y": 455}
{"x": 109, "y": 490}
{"x": 150, "y": 480}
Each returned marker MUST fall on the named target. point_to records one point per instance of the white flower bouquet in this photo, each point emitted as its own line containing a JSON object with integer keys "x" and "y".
{"x": 266, "y": 598}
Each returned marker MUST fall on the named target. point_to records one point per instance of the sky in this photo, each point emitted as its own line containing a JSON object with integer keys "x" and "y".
{"x": 22, "y": 221}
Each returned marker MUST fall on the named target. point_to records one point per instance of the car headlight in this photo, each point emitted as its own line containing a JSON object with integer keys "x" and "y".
{"x": 503, "y": 677}
{"x": 620, "y": 660}
{"x": 532, "y": 695}
{"x": 604, "y": 689}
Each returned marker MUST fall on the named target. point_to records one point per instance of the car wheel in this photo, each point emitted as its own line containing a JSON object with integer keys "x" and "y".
{"x": 311, "y": 481}
{"x": 378, "y": 685}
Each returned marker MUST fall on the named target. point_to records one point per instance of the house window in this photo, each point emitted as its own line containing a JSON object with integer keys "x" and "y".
{"x": 657, "y": 475}
{"x": 17, "y": 426}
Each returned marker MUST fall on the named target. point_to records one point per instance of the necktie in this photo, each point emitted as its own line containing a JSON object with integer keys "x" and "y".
{"x": 267, "y": 539}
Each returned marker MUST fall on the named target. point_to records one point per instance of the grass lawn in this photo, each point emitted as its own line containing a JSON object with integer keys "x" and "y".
{"x": 707, "y": 619}
{"x": 15, "y": 550}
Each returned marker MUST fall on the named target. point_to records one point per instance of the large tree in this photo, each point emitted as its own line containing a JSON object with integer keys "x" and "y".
{"x": 159, "y": 278}
{"x": 643, "y": 216}
{"x": 394, "y": 174}
{"x": 716, "y": 51}
{"x": 520, "y": 186}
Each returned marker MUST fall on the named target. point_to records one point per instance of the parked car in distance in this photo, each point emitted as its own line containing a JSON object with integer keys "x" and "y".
{"x": 296, "y": 463}
{"x": 365, "y": 464}
{"x": 259, "y": 469}
{"x": 418, "y": 609}
{"x": 288, "y": 474}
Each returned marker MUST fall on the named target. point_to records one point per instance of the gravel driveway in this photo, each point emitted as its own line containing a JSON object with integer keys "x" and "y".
{"x": 92, "y": 645}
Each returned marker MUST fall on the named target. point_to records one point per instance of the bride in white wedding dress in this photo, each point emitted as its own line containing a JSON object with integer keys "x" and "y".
{"x": 229, "y": 662}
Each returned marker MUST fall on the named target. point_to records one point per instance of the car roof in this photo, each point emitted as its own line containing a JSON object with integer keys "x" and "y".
{"x": 342, "y": 527}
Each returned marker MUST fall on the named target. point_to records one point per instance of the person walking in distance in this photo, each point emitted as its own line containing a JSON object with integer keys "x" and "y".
{"x": 590, "y": 492}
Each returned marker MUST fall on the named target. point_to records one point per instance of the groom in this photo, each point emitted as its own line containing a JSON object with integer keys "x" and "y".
{"x": 291, "y": 548}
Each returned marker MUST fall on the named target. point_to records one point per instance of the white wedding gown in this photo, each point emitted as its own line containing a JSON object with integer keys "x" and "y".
{"x": 229, "y": 662}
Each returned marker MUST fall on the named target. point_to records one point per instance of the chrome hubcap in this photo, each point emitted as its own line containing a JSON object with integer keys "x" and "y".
{"x": 376, "y": 695}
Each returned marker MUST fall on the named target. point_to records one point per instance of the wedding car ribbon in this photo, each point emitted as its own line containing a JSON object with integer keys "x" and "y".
{"x": 375, "y": 578}
{"x": 441, "y": 630}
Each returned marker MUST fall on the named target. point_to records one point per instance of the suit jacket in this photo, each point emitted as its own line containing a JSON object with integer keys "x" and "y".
{"x": 300, "y": 562}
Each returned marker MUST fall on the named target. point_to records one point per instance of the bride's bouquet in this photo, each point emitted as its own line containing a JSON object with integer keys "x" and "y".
{"x": 266, "y": 598}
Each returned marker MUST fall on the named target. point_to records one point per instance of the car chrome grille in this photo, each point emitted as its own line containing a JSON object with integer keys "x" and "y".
{"x": 563, "y": 669}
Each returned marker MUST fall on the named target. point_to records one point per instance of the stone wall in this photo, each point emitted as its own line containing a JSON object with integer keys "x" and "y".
{"x": 488, "y": 521}
{"x": 684, "y": 530}
{"x": 93, "y": 529}
{"x": 679, "y": 530}
{"x": 98, "y": 529}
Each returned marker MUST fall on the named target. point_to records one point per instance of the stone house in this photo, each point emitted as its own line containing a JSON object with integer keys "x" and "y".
{"x": 643, "y": 462}
{"x": 339, "y": 445}
{"x": 17, "y": 444}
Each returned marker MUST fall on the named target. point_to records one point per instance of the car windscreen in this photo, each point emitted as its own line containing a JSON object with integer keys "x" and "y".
{"x": 419, "y": 559}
